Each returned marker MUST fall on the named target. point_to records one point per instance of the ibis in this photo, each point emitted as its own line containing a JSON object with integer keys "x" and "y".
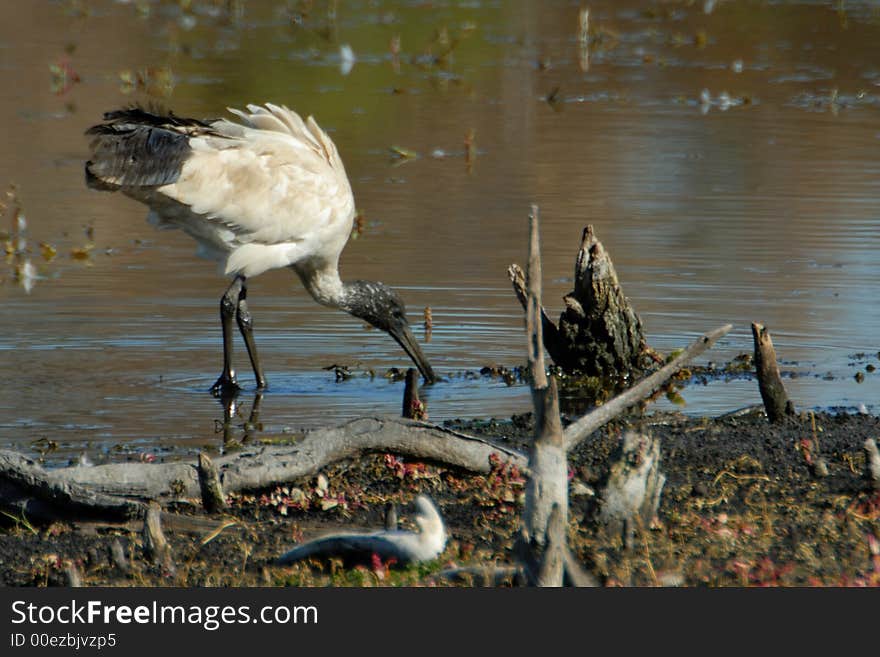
{"x": 263, "y": 192}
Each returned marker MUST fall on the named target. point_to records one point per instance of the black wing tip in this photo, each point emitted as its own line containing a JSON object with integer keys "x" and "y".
{"x": 152, "y": 115}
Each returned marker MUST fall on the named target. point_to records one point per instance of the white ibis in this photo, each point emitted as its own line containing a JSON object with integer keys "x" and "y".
{"x": 265, "y": 193}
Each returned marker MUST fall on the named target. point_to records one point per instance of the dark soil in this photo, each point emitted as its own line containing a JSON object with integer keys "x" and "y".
{"x": 742, "y": 506}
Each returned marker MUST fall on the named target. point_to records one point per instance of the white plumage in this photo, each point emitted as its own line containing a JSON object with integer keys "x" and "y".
{"x": 265, "y": 193}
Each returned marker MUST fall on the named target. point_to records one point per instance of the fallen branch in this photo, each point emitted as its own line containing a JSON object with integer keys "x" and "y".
{"x": 109, "y": 489}
{"x": 578, "y": 431}
{"x": 25, "y": 480}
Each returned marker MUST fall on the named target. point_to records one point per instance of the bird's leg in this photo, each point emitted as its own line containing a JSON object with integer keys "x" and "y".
{"x": 226, "y": 383}
{"x": 246, "y": 326}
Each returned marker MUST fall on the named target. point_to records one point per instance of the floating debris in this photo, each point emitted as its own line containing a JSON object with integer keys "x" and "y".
{"x": 403, "y": 154}
{"x": 470, "y": 149}
{"x": 346, "y": 59}
{"x": 63, "y": 76}
{"x": 152, "y": 81}
{"x": 82, "y": 253}
{"x": 26, "y": 274}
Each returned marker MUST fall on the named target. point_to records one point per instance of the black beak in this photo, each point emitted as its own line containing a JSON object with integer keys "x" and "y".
{"x": 405, "y": 339}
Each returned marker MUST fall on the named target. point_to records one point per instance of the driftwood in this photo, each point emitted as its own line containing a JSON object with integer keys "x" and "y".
{"x": 776, "y": 401}
{"x": 213, "y": 498}
{"x": 23, "y": 480}
{"x": 630, "y": 495}
{"x": 108, "y": 489}
{"x": 397, "y": 546}
{"x": 599, "y": 333}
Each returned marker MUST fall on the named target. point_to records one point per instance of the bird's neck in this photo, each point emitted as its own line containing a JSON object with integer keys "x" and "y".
{"x": 322, "y": 281}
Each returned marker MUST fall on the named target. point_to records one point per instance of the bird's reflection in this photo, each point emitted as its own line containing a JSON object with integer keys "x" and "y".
{"x": 236, "y": 430}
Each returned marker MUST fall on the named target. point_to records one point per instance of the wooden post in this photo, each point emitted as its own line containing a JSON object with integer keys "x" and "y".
{"x": 776, "y": 401}
{"x": 213, "y": 498}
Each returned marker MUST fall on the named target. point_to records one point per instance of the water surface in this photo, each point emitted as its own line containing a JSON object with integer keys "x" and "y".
{"x": 725, "y": 152}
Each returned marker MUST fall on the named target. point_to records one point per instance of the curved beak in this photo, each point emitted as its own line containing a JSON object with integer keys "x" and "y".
{"x": 405, "y": 339}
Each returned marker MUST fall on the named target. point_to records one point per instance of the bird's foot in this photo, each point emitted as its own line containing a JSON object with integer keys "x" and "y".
{"x": 225, "y": 386}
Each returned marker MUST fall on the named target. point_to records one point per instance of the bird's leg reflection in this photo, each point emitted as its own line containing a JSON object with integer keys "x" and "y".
{"x": 253, "y": 423}
{"x": 231, "y": 410}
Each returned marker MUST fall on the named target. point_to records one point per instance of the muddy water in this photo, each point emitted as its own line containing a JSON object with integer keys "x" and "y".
{"x": 727, "y": 153}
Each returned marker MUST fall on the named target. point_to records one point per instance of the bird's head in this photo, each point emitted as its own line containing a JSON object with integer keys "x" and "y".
{"x": 382, "y": 307}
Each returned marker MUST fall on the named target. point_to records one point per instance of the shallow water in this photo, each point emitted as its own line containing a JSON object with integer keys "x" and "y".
{"x": 725, "y": 152}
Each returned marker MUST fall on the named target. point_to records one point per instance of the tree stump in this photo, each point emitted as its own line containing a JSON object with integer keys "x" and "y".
{"x": 599, "y": 333}
{"x": 599, "y": 330}
{"x": 776, "y": 401}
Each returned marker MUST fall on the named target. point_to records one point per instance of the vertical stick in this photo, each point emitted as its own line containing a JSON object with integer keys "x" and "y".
{"x": 411, "y": 394}
{"x": 547, "y": 488}
{"x": 533, "y": 308}
{"x": 776, "y": 401}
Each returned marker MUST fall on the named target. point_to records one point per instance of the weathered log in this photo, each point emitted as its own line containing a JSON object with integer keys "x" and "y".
{"x": 213, "y": 499}
{"x": 262, "y": 466}
{"x": 776, "y": 401}
{"x": 630, "y": 495}
{"x": 24, "y": 480}
{"x": 872, "y": 463}
{"x": 599, "y": 333}
{"x": 400, "y": 546}
{"x": 580, "y": 429}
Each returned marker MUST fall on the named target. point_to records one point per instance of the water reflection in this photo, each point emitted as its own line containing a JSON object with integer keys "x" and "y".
{"x": 237, "y": 433}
